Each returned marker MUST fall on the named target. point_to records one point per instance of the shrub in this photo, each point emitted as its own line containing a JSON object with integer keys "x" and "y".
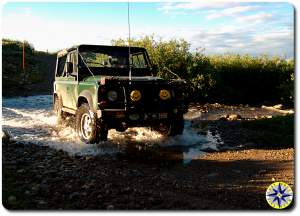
{"x": 229, "y": 78}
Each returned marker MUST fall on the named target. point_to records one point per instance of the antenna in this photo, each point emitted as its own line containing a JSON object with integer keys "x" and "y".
{"x": 128, "y": 18}
{"x": 24, "y": 67}
{"x": 23, "y": 56}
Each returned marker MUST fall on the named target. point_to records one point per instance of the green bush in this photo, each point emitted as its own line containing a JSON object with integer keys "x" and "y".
{"x": 227, "y": 78}
{"x": 39, "y": 68}
{"x": 12, "y": 62}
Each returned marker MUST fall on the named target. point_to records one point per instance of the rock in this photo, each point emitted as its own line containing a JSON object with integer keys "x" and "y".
{"x": 110, "y": 207}
{"x": 278, "y": 106}
{"x": 224, "y": 117}
{"x": 237, "y": 171}
{"x": 261, "y": 172}
{"x": 20, "y": 171}
{"x": 42, "y": 203}
{"x": 5, "y": 136}
{"x": 217, "y": 105}
{"x": 44, "y": 185}
{"x": 233, "y": 117}
{"x": 35, "y": 187}
{"x": 12, "y": 199}
{"x": 211, "y": 175}
{"x": 74, "y": 195}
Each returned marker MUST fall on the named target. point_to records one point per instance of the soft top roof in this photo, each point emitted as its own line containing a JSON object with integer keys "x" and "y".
{"x": 85, "y": 47}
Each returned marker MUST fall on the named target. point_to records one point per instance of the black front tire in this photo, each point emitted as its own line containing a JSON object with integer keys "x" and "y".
{"x": 88, "y": 129}
{"x": 57, "y": 107}
{"x": 173, "y": 127}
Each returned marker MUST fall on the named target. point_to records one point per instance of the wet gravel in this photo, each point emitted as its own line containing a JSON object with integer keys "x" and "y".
{"x": 40, "y": 177}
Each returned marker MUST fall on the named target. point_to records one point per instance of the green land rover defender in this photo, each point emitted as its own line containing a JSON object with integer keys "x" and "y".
{"x": 105, "y": 90}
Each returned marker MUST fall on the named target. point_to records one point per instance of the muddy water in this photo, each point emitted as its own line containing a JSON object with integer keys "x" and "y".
{"x": 31, "y": 120}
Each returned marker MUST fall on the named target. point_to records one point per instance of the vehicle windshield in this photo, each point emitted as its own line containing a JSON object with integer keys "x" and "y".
{"x": 113, "y": 59}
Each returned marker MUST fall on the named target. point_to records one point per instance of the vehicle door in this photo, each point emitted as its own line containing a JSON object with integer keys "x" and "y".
{"x": 71, "y": 79}
{"x": 59, "y": 85}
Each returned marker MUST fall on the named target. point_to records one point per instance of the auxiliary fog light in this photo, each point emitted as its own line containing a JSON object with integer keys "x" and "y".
{"x": 175, "y": 111}
{"x": 135, "y": 95}
{"x": 164, "y": 94}
{"x": 112, "y": 95}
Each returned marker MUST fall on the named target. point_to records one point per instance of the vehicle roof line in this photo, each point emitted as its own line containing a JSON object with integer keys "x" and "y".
{"x": 65, "y": 51}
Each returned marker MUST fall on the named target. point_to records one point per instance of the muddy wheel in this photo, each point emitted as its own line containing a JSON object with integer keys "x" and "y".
{"x": 57, "y": 107}
{"x": 171, "y": 128}
{"x": 88, "y": 130}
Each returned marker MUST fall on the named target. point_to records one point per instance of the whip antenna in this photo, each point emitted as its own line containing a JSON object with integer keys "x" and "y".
{"x": 128, "y": 19}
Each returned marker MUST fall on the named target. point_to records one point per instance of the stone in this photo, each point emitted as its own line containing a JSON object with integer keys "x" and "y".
{"x": 278, "y": 106}
{"x": 20, "y": 171}
{"x": 12, "y": 199}
{"x": 233, "y": 117}
{"x": 5, "y": 136}
{"x": 110, "y": 207}
{"x": 211, "y": 175}
{"x": 224, "y": 117}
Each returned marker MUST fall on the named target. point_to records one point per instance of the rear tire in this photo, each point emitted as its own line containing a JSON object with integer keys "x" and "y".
{"x": 171, "y": 128}
{"x": 88, "y": 129}
{"x": 57, "y": 107}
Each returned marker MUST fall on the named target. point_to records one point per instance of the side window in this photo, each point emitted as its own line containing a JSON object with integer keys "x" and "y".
{"x": 138, "y": 60}
{"x": 61, "y": 65}
{"x": 74, "y": 61}
{"x": 68, "y": 59}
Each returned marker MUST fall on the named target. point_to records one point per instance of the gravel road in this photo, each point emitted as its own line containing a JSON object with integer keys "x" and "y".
{"x": 46, "y": 167}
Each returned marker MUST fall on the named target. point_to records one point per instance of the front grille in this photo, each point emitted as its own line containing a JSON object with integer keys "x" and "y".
{"x": 150, "y": 101}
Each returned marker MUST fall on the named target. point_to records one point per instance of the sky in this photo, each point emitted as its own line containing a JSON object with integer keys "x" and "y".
{"x": 225, "y": 27}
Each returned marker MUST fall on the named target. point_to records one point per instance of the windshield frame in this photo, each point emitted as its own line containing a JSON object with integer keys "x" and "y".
{"x": 113, "y": 71}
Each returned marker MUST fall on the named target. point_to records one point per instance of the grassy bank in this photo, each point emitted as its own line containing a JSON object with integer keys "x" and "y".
{"x": 39, "y": 69}
{"x": 228, "y": 78}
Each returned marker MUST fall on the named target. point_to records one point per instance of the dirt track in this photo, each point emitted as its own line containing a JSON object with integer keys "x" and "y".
{"x": 39, "y": 177}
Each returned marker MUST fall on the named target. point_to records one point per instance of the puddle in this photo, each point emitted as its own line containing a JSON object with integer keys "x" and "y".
{"x": 31, "y": 120}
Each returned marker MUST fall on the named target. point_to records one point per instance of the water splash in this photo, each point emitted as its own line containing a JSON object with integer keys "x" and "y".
{"x": 31, "y": 120}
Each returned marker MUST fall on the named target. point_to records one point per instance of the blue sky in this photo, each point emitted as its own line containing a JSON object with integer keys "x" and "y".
{"x": 252, "y": 28}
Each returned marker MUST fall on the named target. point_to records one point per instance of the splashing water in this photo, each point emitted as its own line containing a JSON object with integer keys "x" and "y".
{"x": 31, "y": 120}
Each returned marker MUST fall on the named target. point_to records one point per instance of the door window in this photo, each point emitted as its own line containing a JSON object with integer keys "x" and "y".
{"x": 61, "y": 66}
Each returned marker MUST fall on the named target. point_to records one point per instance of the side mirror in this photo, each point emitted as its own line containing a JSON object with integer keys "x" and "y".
{"x": 69, "y": 67}
{"x": 154, "y": 70}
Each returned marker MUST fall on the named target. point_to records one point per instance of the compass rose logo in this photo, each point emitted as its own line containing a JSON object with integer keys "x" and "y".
{"x": 279, "y": 195}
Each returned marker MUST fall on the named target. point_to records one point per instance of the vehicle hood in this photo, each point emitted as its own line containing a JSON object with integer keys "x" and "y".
{"x": 123, "y": 78}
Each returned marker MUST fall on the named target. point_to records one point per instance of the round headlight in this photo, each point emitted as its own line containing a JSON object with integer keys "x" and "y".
{"x": 135, "y": 95}
{"x": 112, "y": 95}
{"x": 164, "y": 94}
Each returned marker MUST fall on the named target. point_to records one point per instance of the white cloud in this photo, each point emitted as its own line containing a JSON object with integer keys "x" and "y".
{"x": 170, "y": 7}
{"x": 273, "y": 36}
{"x": 233, "y": 11}
{"x": 238, "y": 39}
{"x": 255, "y": 18}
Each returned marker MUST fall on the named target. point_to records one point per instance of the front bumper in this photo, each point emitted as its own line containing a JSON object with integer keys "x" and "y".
{"x": 115, "y": 118}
